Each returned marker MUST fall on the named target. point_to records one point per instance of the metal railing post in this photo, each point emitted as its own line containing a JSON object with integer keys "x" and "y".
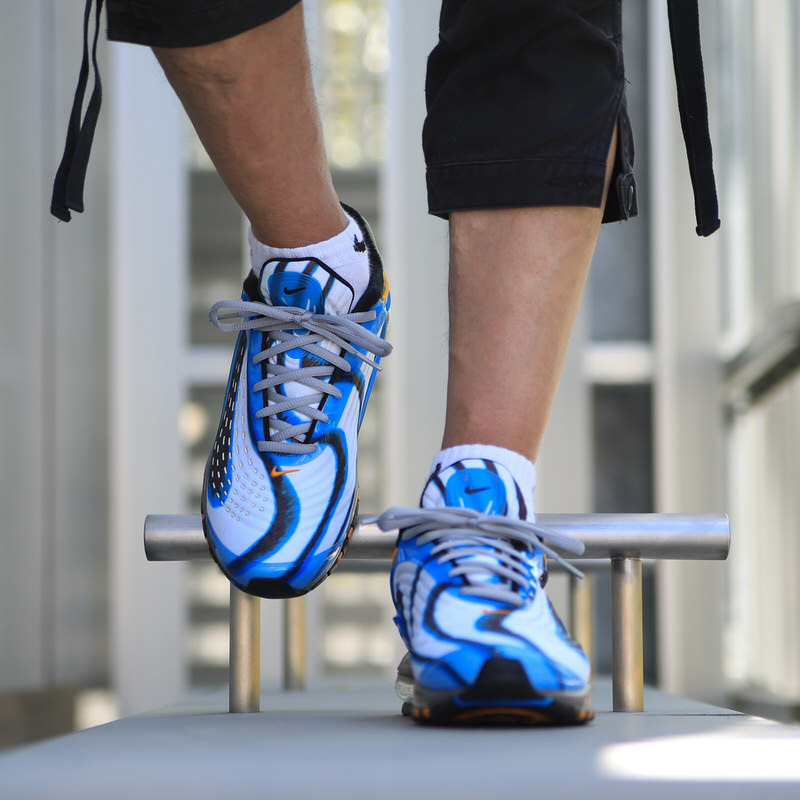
{"x": 245, "y": 652}
{"x": 581, "y": 613}
{"x": 627, "y": 645}
{"x": 294, "y": 643}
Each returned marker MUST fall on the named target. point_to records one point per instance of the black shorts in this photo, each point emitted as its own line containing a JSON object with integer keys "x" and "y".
{"x": 523, "y": 95}
{"x": 523, "y": 98}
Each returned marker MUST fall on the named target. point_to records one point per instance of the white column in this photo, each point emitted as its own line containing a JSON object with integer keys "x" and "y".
{"x": 688, "y": 419}
{"x": 25, "y": 618}
{"x": 415, "y": 247}
{"x": 75, "y": 361}
{"x": 148, "y": 256}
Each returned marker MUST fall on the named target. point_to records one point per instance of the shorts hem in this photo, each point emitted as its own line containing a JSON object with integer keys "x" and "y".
{"x": 144, "y": 24}
{"x": 514, "y": 184}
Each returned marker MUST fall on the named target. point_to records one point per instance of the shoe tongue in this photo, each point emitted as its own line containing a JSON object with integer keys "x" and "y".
{"x": 474, "y": 484}
{"x": 311, "y": 285}
{"x": 307, "y": 284}
{"x": 469, "y": 483}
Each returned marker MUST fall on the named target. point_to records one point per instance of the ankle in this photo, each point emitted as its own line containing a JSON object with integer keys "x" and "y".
{"x": 345, "y": 253}
{"x": 499, "y": 460}
{"x": 295, "y": 230}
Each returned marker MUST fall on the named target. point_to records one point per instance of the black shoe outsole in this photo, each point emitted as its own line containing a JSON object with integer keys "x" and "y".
{"x": 501, "y": 696}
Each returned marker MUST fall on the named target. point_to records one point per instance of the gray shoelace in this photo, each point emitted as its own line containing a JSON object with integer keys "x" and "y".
{"x": 344, "y": 332}
{"x": 478, "y": 545}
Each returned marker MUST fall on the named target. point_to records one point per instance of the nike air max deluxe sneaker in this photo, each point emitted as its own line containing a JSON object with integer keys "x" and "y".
{"x": 484, "y": 643}
{"x": 280, "y": 495}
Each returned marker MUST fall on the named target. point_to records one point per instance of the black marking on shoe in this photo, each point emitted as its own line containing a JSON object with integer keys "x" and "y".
{"x": 251, "y": 289}
{"x": 335, "y": 440}
{"x": 429, "y": 620}
{"x": 521, "y": 505}
{"x": 359, "y": 246}
{"x": 500, "y": 679}
{"x": 376, "y": 286}
{"x": 284, "y": 522}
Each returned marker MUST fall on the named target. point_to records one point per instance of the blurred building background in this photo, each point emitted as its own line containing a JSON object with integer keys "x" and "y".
{"x": 111, "y": 378}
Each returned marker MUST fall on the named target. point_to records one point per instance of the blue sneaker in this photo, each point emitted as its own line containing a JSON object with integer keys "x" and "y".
{"x": 484, "y": 643}
{"x": 280, "y": 493}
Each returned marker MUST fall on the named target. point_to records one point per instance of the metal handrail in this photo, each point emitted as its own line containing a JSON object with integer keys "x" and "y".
{"x": 179, "y": 537}
{"x": 622, "y": 539}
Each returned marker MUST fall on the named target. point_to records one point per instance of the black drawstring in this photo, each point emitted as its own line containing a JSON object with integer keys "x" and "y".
{"x": 71, "y": 174}
{"x": 687, "y": 58}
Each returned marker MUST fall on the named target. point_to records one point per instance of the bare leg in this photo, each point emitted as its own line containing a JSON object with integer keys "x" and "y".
{"x": 251, "y": 101}
{"x": 516, "y": 278}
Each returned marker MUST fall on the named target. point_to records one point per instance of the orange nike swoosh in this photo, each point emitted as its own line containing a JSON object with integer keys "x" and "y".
{"x": 275, "y": 472}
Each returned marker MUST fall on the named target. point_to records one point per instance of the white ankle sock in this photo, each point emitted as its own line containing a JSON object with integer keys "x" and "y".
{"x": 345, "y": 253}
{"x": 523, "y": 470}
